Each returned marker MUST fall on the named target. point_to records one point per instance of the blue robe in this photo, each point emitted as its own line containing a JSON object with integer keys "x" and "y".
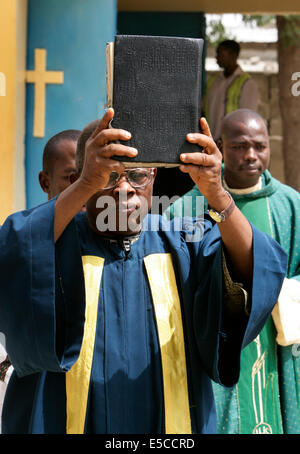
{"x": 109, "y": 370}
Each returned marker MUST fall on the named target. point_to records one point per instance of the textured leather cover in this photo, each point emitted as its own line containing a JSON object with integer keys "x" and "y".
{"x": 157, "y": 95}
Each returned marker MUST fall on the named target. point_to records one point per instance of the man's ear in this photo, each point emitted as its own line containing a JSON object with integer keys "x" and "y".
{"x": 220, "y": 146}
{"x": 73, "y": 177}
{"x": 219, "y": 143}
{"x": 44, "y": 181}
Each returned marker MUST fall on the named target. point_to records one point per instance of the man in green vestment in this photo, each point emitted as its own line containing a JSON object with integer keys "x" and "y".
{"x": 267, "y": 396}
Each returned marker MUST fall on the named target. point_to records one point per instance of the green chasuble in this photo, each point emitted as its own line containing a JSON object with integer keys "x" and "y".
{"x": 267, "y": 397}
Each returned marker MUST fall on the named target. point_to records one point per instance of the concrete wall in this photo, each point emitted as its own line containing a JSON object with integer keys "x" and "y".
{"x": 269, "y": 109}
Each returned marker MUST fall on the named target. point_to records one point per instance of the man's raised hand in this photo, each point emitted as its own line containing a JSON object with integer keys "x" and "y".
{"x": 99, "y": 149}
{"x": 204, "y": 167}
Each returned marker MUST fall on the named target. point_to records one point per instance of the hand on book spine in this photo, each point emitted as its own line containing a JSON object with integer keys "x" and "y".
{"x": 205, "y": 167}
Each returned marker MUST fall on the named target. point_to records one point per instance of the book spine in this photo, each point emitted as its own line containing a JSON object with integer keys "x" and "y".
{"x": 109, "y": 75}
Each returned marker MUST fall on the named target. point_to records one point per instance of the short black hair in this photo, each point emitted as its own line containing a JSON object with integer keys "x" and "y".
{"x": 50, "y": 149}
{"x": 231, "y": 45}
{"x": 84, "y": 136}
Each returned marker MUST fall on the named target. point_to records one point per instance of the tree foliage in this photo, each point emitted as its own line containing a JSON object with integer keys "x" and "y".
{"x": 290, "y": 35}
{"x": 217, "y": 33}
{"x": 260, "y": 21}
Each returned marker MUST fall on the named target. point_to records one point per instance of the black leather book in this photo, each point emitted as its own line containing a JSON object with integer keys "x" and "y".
{"x": 156, "y": 95}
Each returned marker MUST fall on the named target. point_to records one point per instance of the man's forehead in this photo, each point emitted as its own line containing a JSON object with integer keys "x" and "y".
{"x": 66, "y": 146}
{"x": 251, "y": 128}
{"x": 243, "y": 138}
{"x": 222, "y": 48}
{"x": 64, "y": 162}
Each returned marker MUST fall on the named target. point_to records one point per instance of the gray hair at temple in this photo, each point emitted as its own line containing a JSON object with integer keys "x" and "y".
{"x": 84, "y": 136}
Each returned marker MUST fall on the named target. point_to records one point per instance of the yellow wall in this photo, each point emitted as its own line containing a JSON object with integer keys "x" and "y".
{"x": 19, "y": 151}
{"x": 215, "y": 6}
{"x": 12, "y": 113}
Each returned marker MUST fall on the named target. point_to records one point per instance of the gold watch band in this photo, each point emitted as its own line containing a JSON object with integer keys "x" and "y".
{"x": 220, "y": 217}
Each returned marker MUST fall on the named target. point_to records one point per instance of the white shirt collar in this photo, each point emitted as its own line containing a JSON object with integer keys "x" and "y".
{"x": 249, "y": 190}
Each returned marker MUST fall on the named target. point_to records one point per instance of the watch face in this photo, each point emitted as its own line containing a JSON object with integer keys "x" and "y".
{"x": 215, "y": 216}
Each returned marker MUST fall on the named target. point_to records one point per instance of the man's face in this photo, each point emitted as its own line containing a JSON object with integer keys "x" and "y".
{"x": 224, "y": 57}
{"x": 246, "y": 152}
{"x": 62, "y": 167}
{"x": 119, "y": 210}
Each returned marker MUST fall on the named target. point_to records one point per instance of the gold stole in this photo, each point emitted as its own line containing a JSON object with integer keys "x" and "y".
{"x": 78, "y": 378}
{"x": 167, "y": 307}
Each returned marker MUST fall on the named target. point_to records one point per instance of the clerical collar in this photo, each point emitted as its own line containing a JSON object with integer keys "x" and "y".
{"x": 249, "y": 190}
{"x": 123, "y": 242}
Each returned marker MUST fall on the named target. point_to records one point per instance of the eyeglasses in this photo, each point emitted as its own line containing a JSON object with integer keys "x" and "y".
{"x": 137, "y": 178}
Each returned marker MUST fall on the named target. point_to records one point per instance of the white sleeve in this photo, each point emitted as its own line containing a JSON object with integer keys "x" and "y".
{"x": 286, "y": 313}
{"x": 249, "y": 95}
{"x": 3, "y": 353}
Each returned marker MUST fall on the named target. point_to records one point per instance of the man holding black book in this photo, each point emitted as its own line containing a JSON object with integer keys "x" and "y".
{"x": 117, "y": 327}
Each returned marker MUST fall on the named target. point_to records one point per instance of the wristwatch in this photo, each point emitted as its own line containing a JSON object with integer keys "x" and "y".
{"x": 220, "y": 217}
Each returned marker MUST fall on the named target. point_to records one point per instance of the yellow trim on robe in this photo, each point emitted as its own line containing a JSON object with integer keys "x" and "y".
{"x": 78, "y": 378}
{"x": 167, "y": 306}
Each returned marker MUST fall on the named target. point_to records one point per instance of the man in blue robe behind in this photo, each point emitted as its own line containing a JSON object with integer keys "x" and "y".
{"x": 119, "y": 320}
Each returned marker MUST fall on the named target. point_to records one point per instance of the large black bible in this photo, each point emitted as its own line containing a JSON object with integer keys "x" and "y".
{"x": 154, "y": 86}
